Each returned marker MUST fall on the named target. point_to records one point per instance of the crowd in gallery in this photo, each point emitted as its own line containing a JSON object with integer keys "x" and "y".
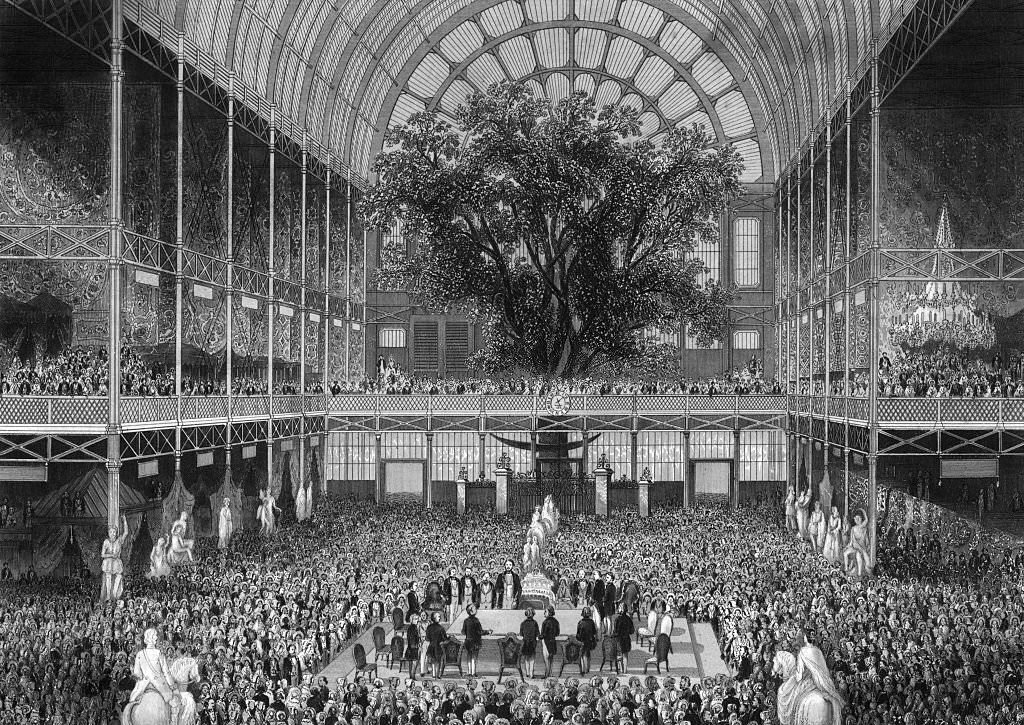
{"x": 83, "y": 371}
{"x": 934, "y": 633}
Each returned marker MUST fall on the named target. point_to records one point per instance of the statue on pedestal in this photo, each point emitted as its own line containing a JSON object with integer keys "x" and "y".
{"x": 161, "y": 695}
{"x": 791, "y": 525}
{"x": 225, "y": 526}
{"x": 803, "y": 514}
{"x": 857, "y": 554}
{"x": 180, "y": 550}
{"x": 112, "y": 568}
{"x": 158, "y": 566}
{"x": 265, "y": 513}
{"x": 807, "y": 695}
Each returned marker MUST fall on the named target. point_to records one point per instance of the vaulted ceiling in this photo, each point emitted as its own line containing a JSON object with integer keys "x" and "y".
{"x": 758, "y": 73}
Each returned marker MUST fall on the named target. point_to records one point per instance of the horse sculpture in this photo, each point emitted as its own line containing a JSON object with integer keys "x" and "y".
{"x": 799, "y": 701}
{"x": 151, "y": 708}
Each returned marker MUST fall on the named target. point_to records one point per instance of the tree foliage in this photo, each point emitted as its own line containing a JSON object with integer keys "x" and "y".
{"x": 556, "y": 228}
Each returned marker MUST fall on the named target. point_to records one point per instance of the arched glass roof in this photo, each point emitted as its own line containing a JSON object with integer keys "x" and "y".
{"x": 760, "y": 73}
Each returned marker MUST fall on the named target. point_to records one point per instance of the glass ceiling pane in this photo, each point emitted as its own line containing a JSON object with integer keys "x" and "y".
{"x": 590, "y": 47}
{"x": 546, "y": 10}
{"x": 501, "y": 19}
{"x": 517, "y": 55}
{"x": 598, "y": 11}
{"x": 680, "y": 42}
{"x": 624, "y": 57}
{"x": 552, "y": 47}
{"x": 641, "y": 18}
{"x": 654, "y": 75}
{"x": 462, "y": 41}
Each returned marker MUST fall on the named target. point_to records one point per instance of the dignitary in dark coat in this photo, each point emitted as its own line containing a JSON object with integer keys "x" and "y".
{"x": 507, "y": 588}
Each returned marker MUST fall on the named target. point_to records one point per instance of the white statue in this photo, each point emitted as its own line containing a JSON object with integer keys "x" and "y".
{"x": 857, "y": 554}
{"x": 160, "y": 696}
{"x": 180, "y": 550}
{"x": 816, "y": 527}
{"x": 550, "y": 514}
{"x": 265, "y": 513}
{"x": 537, "y": 528}
{"x": 112, "y": 568}
{"x": 158, "y": 566}
{"x": 833, "y": 550}
{"x": 791, "y": 525}
{"x": 803, "y": 503}
{"x": 825, "y": 491}
{"x": 225, "y": 526}
{"x": 807, "y": 695}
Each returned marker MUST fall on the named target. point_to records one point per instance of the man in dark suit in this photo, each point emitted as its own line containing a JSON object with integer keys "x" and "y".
{"x": 470, "y": 592}
{"x": 291, "y": 667}
{"x": 414, "y": 602}
{"x": 597, "y": 597}
{"x": 610, "y": 594}
{"x": 580, "y": 590}
{"x": 452, "y": 589}
{"x": 507, "y": 588}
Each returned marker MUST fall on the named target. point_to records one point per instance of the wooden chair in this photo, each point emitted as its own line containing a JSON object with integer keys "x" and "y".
{"x": 662, "y": 646}
{"x": 511, "y": 650}
{"x": 398, "y": 619}
{"x": 380, "y": 648}
{"x": 395, "y": 650}
{"x": 572, "y": 654}
{"x": 452, "y": 655}
{"x": 609, "y": 654}
{"x": 403, "y": 655}
{"x": 359, "y": 659}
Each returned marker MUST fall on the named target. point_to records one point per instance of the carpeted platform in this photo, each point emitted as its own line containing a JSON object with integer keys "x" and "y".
{"x": 695, "y": 651}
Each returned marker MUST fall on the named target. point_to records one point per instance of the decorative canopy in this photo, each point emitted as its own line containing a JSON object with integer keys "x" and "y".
{"x": 760, "y": 73}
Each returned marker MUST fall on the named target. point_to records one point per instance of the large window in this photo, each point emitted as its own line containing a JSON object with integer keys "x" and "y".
{"x": 391, "y": 337}
{"x": 746, "y": 340}
{"x": 746, "y": 240}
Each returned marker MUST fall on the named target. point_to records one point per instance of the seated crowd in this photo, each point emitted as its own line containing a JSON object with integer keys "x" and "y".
{"x": 78, "y": 371}
{"x": 392, "y": 379}
{"x": 947, "y": 373}
{"x": 934, "y": 637}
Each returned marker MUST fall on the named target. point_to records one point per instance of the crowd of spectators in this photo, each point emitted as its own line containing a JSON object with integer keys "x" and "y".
{"x": 84, "y": 371}
{"x": 392, "y": 379}
{"x": 935, "y": 634}
{"x": 947, "y": 373}
{"x": 78, "y": 371}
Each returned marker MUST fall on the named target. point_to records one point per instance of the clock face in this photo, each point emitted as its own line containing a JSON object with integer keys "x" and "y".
{"x": 558, "y": 404}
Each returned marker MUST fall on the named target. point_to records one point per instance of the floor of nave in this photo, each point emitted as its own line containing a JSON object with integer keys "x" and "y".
{"x": 695, "y": 652}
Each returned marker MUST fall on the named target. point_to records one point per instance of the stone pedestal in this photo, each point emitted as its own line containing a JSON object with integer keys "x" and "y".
{"x": 502, "y": 476}
{"x": 460, "y": 492}
{"x": 643, "y": 498}
{"x": 602, "y": 477}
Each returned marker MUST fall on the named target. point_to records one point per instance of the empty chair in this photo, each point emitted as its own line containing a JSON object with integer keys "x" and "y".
{"x": 452, "y": 655}
{"x": 609, "y": 653}
{"x": 380, "y": 649}
{"x": 359, "y": 658}
{"x": 398, "y": 619}
{"x": 572, "y": 654}
{"x": 396, "y": 650}
{"x": 511, "y": 649}
{"x": 662, "y": 646}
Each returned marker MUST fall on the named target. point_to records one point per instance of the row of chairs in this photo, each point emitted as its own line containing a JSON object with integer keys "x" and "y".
{"x": 511, "y": 649}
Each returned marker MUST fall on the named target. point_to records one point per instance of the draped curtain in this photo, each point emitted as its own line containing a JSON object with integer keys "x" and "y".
{"x": 49, "y": 549}
{"x": 178, "y": 499}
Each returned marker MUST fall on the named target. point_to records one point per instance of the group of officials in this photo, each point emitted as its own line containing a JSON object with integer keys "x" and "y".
{"x": 612, "y": 606}
{"x": 504, "y": 591}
